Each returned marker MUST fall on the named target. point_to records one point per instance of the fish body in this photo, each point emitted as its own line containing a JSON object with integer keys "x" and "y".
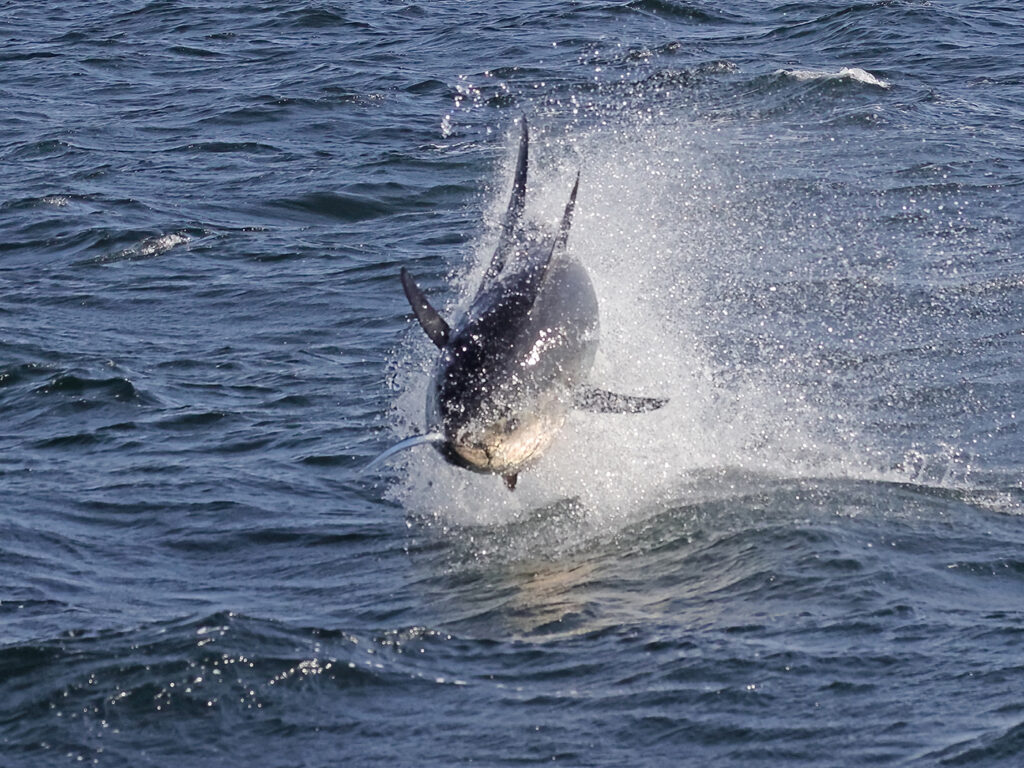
{"x": 519, "y": 358}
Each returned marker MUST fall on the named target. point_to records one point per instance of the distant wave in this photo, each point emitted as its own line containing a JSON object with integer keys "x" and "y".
{"x": 846, "y": 73}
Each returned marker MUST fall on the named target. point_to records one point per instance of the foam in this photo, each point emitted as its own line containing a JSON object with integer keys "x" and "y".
{"x": 146, "y": 249}
{"x": 846, "y": 73}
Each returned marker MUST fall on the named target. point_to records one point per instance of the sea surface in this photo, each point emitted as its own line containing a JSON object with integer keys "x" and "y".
{"x": 805, "y": 225}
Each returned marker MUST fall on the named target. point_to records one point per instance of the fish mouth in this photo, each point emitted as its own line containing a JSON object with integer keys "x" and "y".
{"x": 507, "y": 446}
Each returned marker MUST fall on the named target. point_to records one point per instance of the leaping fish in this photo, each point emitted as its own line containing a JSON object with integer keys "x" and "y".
{"x": 518, "y": 360}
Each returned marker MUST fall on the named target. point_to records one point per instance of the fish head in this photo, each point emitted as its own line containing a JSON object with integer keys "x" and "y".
{"x": 492, "y": 417}
{"x": 503, "y": 444}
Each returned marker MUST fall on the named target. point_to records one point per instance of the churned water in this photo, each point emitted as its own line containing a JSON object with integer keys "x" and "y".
{"x": 803, "y": 222}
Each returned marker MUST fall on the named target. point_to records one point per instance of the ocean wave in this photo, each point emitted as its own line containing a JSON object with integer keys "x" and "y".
{"x": 689, "y": 12}
{"x": 74, "y": 385}
{"x": 193, "y": 665}
{"x": 149, "y": 248}
{"x": 1000, "y": 745}
{"x": 853, "y": 74}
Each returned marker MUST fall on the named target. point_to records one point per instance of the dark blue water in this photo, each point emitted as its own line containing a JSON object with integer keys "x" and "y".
{"x": 804, "y": 225}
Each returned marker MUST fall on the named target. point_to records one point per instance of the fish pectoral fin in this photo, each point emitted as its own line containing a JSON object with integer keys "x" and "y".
{"x": 431, "y": 322}
{"x": 510, "y": 480}
{"x": 603, "y": 401}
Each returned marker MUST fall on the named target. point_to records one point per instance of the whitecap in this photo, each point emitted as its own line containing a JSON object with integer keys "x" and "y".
{"x": 846, "y": 73}
{"x": 863, "y": 76}
{"x": 146, "y": 249}
{"x": 154, "y": 246}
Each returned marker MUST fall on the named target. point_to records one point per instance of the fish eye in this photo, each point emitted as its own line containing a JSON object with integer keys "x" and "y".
{"x": 511, "y": 424}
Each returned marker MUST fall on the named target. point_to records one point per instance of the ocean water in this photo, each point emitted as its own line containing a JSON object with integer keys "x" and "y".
{"x": 804, "y": 224}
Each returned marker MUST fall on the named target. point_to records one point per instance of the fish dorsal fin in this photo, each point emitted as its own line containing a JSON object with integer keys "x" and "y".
{"x": 507, "y": 240}
{"x": 563, "y": 230}
{"x": 535, "y": 275}
{"x": 542, "y": 268}
{"x": 432, "y": 323}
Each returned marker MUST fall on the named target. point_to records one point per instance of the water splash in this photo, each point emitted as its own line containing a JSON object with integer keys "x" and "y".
{"x": 751, "y": 298}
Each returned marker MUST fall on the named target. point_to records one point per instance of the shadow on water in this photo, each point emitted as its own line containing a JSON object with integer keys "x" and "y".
{"x": 722, "y": 551}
